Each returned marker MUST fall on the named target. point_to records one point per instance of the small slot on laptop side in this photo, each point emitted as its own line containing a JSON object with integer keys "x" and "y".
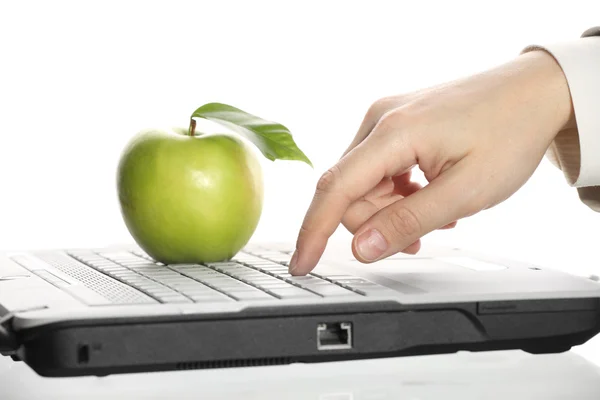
{"x": 83, "y": 354}
{"x": 334, "y": 336}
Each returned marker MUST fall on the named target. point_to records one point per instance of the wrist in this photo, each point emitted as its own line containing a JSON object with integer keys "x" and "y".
{"x": 548, "y": 90}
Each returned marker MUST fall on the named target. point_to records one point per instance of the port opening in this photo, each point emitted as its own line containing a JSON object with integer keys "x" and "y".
{"x": 83, "y": 354}
{"x": 334, "y": 336}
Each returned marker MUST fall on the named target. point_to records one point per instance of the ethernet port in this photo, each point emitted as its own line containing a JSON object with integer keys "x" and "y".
{"x": 334, "y": 336}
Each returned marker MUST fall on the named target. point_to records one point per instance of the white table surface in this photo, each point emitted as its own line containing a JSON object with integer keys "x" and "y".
{"x": 510, "y": 375}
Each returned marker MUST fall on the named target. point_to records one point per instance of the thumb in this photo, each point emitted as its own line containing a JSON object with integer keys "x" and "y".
{"x": 395, "y": 227}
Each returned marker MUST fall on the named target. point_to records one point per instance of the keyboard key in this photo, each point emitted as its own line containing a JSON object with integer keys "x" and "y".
{"x": 249, "y": 259}
{"x": 244, "y": 271}
{"x": 204, "y": 275}
{"x": 268, "y": 266}
{"x": 255, "y": 279}
{"x": 215, "y": 279}
{"x": 353, "y": 281}
{"x": 291, "y": 292}
{"x": 198, "y": 292}
{"x": 160, "y": 291}
{"x": 305, "y": 280}
{"x": 158, "y": 275}
{"x": 335, "y": 276}
{"x": 331, "y": 290}
{"x": 261, "y": 262}
{"x": 267, "y": 253}
{"x": 110, "y": 270}
{"x": 148, "y": 285}
{"x": 188, "y": 290}
{"x": 151, "y": 267}
{"x": 174, "y": 281}
{"x": 138, "y": 281}
{"x": 199, "y": 298}
{"x": 135, "y": 262}
{"x": 124, "y": 276}
{"x": 174, "y": 299}
{"x": 158, "y": 270}
{"x": 253, "y": 295}
{"x": 276, "y": 285}
{"x": 223, "y": 264}
{"x": 231, "y": 286}
{"x": 198, "y": 271}
{"x": 119, "y": 255}
{"x": 262, "y": 280}
{"x": 282, "y": 259}
{"x": 185, "y": 266}
{"x": 141, "y": 266}
{"x": 234, "y": 268}
{"x": 178, "y": 282}
{"x": 275, "y": 271}
{"x": 241, "y": 271}
{"x": 100, "y": 263}
{"x": 318, "y": 282}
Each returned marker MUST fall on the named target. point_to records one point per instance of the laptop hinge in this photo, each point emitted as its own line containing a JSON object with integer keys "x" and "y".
{"x": 9, "y": 343}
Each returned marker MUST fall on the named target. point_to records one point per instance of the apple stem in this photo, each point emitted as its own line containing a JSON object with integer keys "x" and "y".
{"x": 192, "y": 130}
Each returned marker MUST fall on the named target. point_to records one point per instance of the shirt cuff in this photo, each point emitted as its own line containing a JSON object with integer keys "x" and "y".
{"x": 577, "y": 151}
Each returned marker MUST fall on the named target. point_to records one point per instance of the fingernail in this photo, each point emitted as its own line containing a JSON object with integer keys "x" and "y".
{"x": 293, "y": 261}
{"x": 371, "y": 245}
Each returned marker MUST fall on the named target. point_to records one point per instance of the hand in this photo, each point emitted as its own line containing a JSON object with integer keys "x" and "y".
{"x": 477, "y": 140}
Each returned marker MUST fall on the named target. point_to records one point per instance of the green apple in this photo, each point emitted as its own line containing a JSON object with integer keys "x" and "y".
{"x": 188, "y": 198}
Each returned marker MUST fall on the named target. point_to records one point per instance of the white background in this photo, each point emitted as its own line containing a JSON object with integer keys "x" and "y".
{"x": 78, "y": 79}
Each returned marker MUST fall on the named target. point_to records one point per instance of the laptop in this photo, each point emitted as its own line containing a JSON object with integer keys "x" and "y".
{"x": 115, "y": 310}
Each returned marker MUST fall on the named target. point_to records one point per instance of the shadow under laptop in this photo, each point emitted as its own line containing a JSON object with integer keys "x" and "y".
{"x": 497, "y": 375}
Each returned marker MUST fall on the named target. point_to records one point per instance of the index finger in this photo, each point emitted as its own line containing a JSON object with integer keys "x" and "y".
{"x": 351, "y": 178}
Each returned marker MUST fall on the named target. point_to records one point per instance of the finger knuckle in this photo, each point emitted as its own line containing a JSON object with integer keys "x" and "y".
{"x": 379, "y": 108}
{"x": 406, "y": 115}
{"x": 386, "y": 124}
{"x": 329, "y": 180}
{"x": 396, "y": 119}
{"x": 403, "y": 222}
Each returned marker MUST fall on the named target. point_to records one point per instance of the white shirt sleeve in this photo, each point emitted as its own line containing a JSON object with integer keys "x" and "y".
{"x": 577, "y": 151}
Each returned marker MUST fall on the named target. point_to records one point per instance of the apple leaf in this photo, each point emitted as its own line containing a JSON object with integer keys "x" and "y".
{"x": 272, "y": 139}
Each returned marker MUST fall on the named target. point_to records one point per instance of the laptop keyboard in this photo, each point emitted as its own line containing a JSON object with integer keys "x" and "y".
{"x": 253, "y": 275}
